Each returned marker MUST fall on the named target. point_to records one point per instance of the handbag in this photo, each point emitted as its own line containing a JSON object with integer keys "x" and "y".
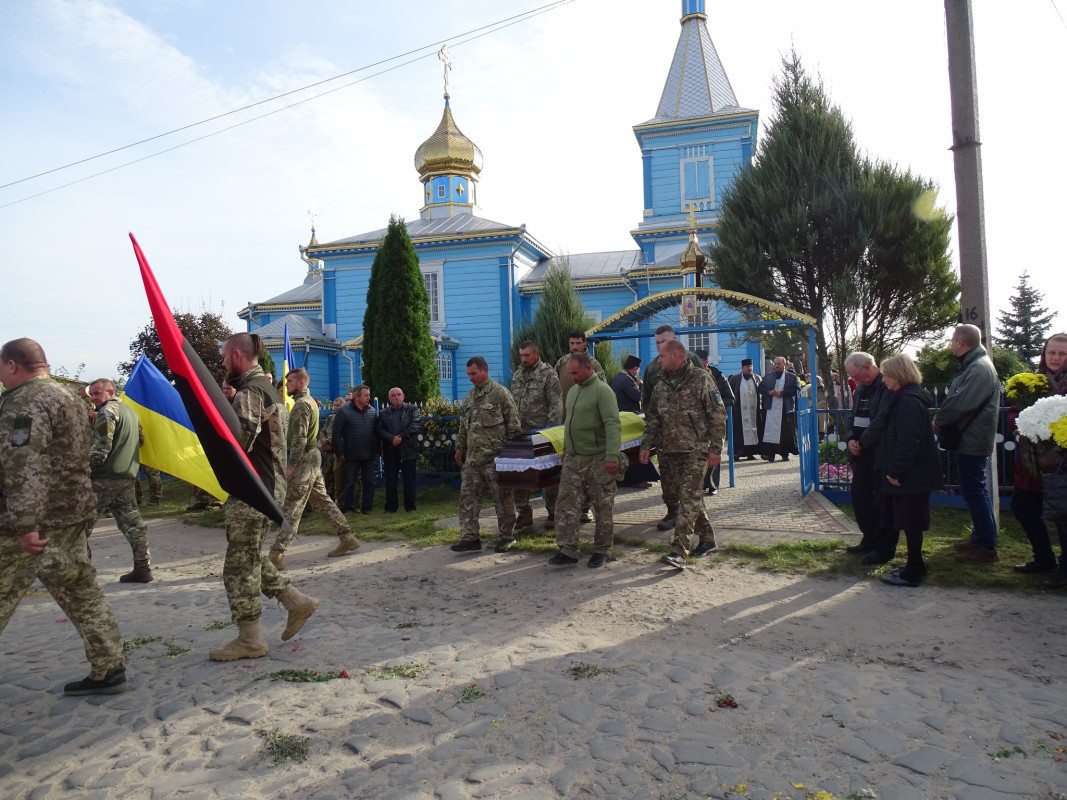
{"x": 1054, "y": 507}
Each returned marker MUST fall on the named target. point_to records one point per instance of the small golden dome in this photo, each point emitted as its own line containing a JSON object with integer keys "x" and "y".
{"x": 447, "y": 151}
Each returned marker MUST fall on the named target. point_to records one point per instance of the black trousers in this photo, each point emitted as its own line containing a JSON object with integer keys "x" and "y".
{"x": 406, "y": 469}
{"x": 363, "y": 469}
{"x": 867, "y": 505}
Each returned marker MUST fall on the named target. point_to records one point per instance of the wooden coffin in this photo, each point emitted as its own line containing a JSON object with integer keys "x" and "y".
{"x": 528, "y": 461}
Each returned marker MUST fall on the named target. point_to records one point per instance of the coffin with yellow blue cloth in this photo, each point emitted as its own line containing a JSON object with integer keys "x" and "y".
{"x": 534, "y": 460}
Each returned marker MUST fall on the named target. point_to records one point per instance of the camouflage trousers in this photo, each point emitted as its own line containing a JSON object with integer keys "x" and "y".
{"x": 305, "y": 486}
{"x": 155, "y": 486}
{"x": 476, "y": 480}
{"x": 585, "y": 482}
{"x": 682, "y": 475}
{"x": 116, "y": 496}
{"x": 328, "y": 460}
{"x": 522, "y": 501}
{"x": 66, "y": 573}
{"x": 246, "y": 572}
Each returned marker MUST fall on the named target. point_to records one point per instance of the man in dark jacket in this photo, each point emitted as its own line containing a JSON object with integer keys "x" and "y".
{"x": 398, "y": 428}
{"x": 355, "y": 441}
{"x": 627, "y": 386}
{"x": 972, "y": 403}
{"x": 879, "y": 543}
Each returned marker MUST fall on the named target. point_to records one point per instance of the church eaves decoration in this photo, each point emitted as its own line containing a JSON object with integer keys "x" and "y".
{"x": 653, "y": 304}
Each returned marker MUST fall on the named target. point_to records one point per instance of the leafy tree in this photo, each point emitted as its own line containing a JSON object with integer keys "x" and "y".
{"x": 397, "y": 347}
{"x": 559, "y": 312}
{"x": 938, "y": 366}
{"x": 815, "y": 227}
{"x": 1025, "y": 327}
{"x": 204, "y": 332}
{"x": 266, "y": 363}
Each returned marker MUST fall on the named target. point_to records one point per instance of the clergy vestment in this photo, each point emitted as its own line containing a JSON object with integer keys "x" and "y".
{"x": 746, "y": 414}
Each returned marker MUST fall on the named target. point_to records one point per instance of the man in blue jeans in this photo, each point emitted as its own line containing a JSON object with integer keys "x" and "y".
{"x": 972, "y": 403}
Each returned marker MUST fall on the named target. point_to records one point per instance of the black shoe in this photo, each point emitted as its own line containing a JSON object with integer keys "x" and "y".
{"x": 873, "y": 558}
{"x": 785, "y": 458}
{"x": 673, "y": 560}
{"x": 597, "y": 560}
{"x": 467, "y": 546}
{"x": 897, "y": 579}
{"x": 1057, "y": 580}
{"x": 750, "y": 458}
{"x": 704, "y": 548}
{"x": 858, "y": 549}
{"x": 1034, "y": 567}
{"x": 667, "y": 523}
{"x": 585, "y": 519}
{"x": 503, "y": 545}
{"x": 113, "y": 683}
{"x": 561, "y": 559}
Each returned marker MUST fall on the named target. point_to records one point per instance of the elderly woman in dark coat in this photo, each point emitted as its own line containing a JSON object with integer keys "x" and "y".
{"x": 908, "y": 463}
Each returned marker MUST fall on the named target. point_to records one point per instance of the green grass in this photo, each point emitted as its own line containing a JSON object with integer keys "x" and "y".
{"x": 282, "y": 747}
{"x": 816, "y": 558}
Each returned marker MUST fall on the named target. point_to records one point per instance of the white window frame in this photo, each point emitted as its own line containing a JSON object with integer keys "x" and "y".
{"x": 444, "y": 361}
{"x": 707, "y": 314}
{"x": 435, "y": 268}
{"x": 442, "y": 191}
{"x": 695, "y": 155}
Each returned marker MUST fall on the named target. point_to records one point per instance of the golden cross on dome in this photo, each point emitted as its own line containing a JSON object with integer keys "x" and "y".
{"x": 692, "y": 215}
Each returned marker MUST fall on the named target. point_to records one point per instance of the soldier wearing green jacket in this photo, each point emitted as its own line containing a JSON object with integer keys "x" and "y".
{"x": 487, "y": 419}
{"x": 686, "y": 423}
{"x": 47, "y": 508}
{"x": 591, "y": 440}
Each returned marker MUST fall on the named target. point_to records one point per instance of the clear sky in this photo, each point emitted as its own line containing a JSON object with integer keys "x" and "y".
{"x": 551, "y": 102}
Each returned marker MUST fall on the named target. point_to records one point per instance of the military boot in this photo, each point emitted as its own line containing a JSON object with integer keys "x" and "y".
{"x": 524, "y": 519}
{"x": 346, "y": 544}
{"x": 142, "y": 573}
{"x": 299, "y": 606}
{"x": 248, "y": 644}
{"x": 277, "y": 558}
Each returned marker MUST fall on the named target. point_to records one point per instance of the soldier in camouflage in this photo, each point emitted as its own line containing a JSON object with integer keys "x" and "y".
{"x": 47, "y": 507}
{"x": 576, "y": 343}
{"x": 653, "y": 373}
{"x": 114, "y": 463}
{"x": 246, "y": 572}
{"x": 686, "y": 423}
{"x": 155, "y": 486}
{"x": 487, "y": 419}
{"x": 329, "y": 460}
{"x": 591, "y": 440}
{"x": 539, "y": 398}
{"x": 303, "y": 476}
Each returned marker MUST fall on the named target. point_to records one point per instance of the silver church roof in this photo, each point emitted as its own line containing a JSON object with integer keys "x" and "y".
{"x": 460, "y": 223}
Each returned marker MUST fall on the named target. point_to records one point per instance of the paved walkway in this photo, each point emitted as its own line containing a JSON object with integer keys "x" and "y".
{"x": 764, "y": 507}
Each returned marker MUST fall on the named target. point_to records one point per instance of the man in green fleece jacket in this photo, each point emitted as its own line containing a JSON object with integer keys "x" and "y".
{"x": 591, "y": 439}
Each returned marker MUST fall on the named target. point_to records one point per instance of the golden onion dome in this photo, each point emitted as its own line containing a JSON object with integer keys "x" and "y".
{"x": 447, "y": 151}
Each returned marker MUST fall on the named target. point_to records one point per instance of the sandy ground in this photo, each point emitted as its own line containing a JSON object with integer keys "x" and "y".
{"x": 851, "y": 687}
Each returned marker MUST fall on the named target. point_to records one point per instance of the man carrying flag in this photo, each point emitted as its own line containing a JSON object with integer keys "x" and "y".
{"x": 247, "y": 572}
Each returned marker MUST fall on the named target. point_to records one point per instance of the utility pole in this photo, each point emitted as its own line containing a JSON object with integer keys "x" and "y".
{"x": 970, "y": 204}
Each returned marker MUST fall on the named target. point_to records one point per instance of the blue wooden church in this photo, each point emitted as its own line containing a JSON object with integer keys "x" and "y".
{"x": 484, "y": 278}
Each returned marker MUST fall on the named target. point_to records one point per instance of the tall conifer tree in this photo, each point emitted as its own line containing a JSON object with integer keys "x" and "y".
{"x": 1024, "y": 328}
{"x": 397, "y": 347}
{"x": 559, "y": 312}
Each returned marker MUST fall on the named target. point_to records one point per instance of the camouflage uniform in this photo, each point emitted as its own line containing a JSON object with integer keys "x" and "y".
{"x": 328, "y": 457}
{"x": 305, "y": 484}
{"x": 113, "y": 466}
{"x": 247, "y": 572}
{"x": 155, "y": 486}
{"x": 44, "y": 489}
{"x": 591, "y": 438}
{"x": 685, "y": 422}
{"x": 539, "y": 398}
{"x": 487, "y": 419}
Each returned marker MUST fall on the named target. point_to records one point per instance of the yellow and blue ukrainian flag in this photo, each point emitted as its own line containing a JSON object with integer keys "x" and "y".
{"x": 170, "y": 443}
{"x": 288, "y": 363}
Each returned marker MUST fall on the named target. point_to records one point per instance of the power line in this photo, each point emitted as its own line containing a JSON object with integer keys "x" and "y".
{"x": 495, "y": 26}
{"x": 1057, "y": 10}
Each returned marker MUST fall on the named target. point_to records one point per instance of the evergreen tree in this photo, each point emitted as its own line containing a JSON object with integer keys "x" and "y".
{"x": 397, "y": 347}
{"x": 559, "y": 312}
{"x": 204, "y": 332}
{"x": 938, "y": 366}
{"x": 1024, "y": 328}
{"x": 815, "y": 227}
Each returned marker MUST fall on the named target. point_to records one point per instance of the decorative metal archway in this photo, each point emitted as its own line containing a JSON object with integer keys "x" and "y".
{"x": 744, "y": 313}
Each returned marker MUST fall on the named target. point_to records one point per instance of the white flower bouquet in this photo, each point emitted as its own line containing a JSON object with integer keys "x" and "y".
{"x": 1045, "y": 421}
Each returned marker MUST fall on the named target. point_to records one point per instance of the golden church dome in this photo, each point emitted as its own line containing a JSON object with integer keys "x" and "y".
{"x": 447, "y": 151}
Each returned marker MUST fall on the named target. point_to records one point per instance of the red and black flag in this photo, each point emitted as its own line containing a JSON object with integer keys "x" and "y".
{"x": 214, "y": 420}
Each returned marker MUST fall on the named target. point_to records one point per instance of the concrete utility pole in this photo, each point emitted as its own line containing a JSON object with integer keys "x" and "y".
{"x": 967, "y": 163}
{"x": 970, "y": 204}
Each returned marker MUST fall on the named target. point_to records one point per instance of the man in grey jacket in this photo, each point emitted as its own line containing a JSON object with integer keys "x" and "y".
{"x": 972, "y": 403}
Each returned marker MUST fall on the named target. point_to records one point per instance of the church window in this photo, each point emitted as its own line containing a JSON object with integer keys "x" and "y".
{"x": 441, "y": 191}
{"x": 431, "y": 279}
{"x": 697, "y": 179}
{"x": 444, "y": 365}
{"x": 704, "y": 341}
